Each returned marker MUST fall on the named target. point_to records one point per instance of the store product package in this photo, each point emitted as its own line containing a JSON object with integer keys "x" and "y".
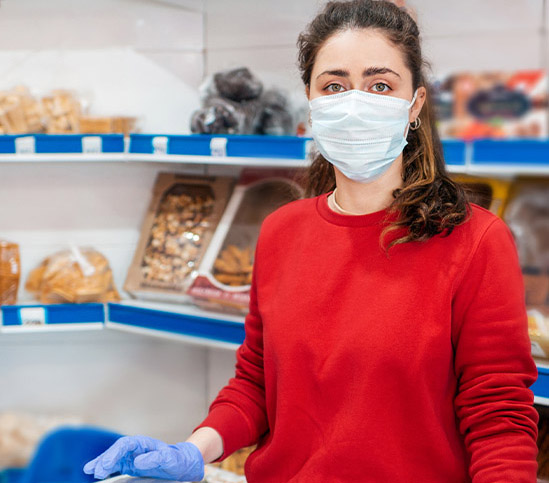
{"x": 179, "y": 224}
{"x": 492, "y": 105}
{"x": 225, "y": 274}
{"x": 235, "y": 102}
{"x": 527, "y": 214}
{"x": 10, "y": 272}
{"x": 77, "y": 275}
{"x": 490, "y": 193}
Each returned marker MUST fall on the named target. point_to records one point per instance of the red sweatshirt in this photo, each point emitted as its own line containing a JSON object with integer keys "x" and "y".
{"x": 361, "y": 367}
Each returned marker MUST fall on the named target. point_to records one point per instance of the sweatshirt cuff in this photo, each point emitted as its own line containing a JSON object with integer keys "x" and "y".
{"x": 233, "y": 427}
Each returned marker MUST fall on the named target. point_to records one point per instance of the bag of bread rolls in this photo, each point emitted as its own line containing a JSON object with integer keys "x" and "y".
{"x": 10, "y": 271}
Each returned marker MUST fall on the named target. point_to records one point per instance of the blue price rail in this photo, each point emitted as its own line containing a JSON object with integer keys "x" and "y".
{"x": 511, "y": 152}
{"x": 60, "y": 143}
{"x": 252, "y": 146}
{"x": 204, "y": 329}
{"x": 541, "y": 386}
{"x": 28, "y": 318}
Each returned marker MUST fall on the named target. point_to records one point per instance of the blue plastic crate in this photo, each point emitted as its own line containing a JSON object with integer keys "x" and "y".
{"x": 176, "y": 323}
{"x": 12, "y": 475}
{"x": 533, "y": 152}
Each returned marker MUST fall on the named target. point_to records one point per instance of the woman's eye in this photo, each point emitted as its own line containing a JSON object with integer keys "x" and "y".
{"x": 334, "y": 88}
{"x": 381, "y": 87}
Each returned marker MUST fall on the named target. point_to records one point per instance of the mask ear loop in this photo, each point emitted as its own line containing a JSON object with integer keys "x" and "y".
{"x": 417, "y": 122}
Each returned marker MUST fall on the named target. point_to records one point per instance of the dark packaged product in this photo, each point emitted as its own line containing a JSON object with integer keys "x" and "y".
{"x": 238, "y": 84}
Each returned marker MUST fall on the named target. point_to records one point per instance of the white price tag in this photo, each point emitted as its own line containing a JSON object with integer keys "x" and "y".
{"x": 32, "y": 316}
{"x": 537, "y": 351}
{"x": 92, "y": 144}
{"x": 25, "y": 145}
{"x": 160, "y": 145}
{"x": 218, "y": 147}
{"x": 309, "y": 148}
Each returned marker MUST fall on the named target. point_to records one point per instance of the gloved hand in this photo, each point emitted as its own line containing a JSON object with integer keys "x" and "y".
{"x": 148, "y": 457}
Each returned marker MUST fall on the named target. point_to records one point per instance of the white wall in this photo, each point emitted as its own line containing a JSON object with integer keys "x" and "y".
{"x": 140, "y": 57}
{"x": 123, "y": 57}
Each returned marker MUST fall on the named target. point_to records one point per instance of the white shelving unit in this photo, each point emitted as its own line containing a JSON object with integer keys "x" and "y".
{"x": 189, "y": 324}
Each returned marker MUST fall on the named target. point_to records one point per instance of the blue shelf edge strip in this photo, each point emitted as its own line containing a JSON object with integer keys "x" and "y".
{"x": 57, "y": 314}
{"x": 540, "y": 388}
{"x": 175, "y": 323}
{"x": 484, "y": 152}
{"x": 236, "y": 145}
{"x": 531, "y": 152}
{"x": 62, "y": 143}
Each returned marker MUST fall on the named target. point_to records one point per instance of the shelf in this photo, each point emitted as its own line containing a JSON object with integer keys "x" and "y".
{"x": 178, "y": 322}
{"x": 31, "y": 144}
{"x": 541, "y": 387}
{"x": 483, "y": 157}
{"x": 182, "y": 323}
{"x": 51, "y": 318}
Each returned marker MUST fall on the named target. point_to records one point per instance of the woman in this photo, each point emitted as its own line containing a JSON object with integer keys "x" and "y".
{"x": 387, "y": 338}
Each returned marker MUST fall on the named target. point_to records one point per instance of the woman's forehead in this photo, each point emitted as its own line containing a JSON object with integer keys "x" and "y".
{"x": 358, "y": 49}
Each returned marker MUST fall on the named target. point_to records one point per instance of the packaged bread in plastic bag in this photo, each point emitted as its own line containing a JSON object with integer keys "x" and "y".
{"x": 78, "y": 275}
{"x": 10, "y": 270}
{"x": 527, "y": 215}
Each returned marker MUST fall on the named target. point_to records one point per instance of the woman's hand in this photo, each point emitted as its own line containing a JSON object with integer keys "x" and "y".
{"x": 148, "y": 457}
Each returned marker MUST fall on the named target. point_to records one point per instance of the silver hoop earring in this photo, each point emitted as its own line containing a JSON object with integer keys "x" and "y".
{"x": 415, "y": 125}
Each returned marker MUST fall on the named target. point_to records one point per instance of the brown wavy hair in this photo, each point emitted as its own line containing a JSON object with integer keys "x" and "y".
{"x": 429, "y": 202}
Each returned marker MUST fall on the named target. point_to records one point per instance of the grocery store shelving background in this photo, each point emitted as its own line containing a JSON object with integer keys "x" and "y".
{"x": 147, "y": 58}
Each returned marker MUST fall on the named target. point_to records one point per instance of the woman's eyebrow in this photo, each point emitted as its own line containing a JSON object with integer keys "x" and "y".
{"x": 378, "y": 70}
{"x": 336, "y": 72}
{"x": 370, "y": 71}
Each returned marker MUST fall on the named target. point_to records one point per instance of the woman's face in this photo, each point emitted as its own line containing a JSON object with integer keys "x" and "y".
{"x": 366, "y": 60}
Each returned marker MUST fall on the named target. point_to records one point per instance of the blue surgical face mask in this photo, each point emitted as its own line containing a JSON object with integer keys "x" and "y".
{"x": 360, "y": 133}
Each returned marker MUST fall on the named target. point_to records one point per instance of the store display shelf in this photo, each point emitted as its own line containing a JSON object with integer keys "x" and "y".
{"x": 43, "y": 144}
{"x": 541, "y": 387}
{"x": 488, "y": 157}
{"x": 179, "y": 322}
{"x": 50, "y": 318}
{"x": 509, "y": 156}
{"x": 63, "y": 158}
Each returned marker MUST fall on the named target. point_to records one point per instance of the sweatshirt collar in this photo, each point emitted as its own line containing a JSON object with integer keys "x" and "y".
{"x": 375, "y": 218}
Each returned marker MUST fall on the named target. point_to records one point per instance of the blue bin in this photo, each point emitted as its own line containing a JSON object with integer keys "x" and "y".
{"x": 62, "y": 454}
{"x": 12, "y": 475}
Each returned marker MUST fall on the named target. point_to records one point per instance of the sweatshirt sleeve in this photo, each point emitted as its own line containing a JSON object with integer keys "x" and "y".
{"x": 238, "y": 412}
{"x": 493, "y": 363}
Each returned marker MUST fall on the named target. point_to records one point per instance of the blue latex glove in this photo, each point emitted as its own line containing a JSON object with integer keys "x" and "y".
{"x": 148, "y": 457}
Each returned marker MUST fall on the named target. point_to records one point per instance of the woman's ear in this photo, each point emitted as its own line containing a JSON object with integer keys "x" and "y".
{"x": 421, "y": 96}
{"x": 307, "y": 91}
